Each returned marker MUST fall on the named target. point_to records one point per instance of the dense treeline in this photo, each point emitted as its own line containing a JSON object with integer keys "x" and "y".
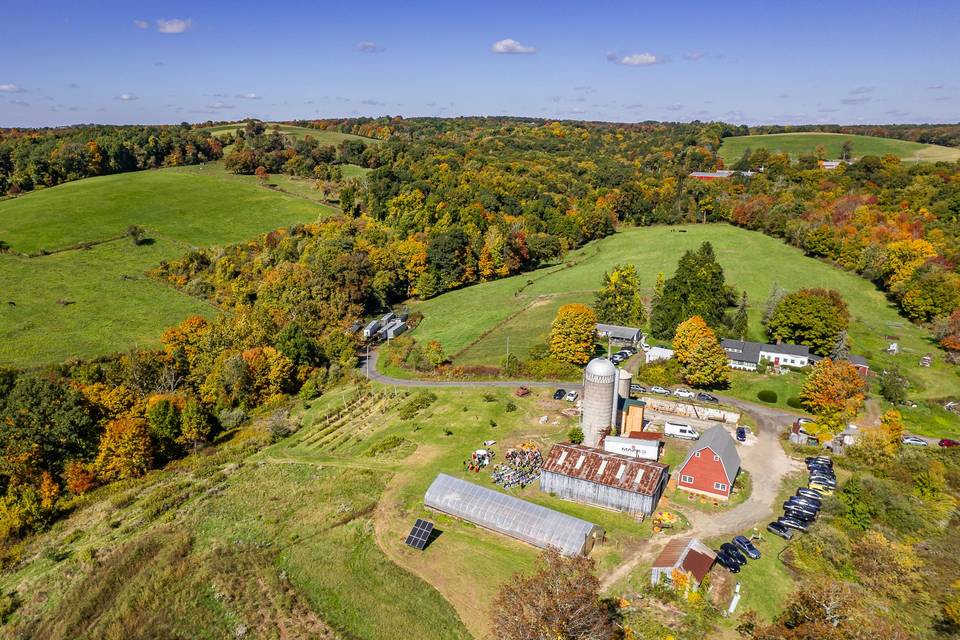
{"x": 947, "y": 135}
{"x": 36, "y": 158}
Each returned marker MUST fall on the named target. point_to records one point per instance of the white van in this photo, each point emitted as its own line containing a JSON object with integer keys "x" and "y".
{"x": 680, "y": 430}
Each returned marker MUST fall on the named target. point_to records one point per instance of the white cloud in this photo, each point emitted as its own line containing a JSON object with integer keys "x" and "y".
{"x": 373, "y": 103}
{"x": 636, "y": 59}
{"x": 368, "y": 47}
{"x": 20, "y": 103}
{"x": 693, "y": 56}
{"x": 10, "y": 88}
{"x": 248, "y": 96}
{"x": 219, "y": 104}
{"x": 897, "y": 113}
{"x": 511, "y": 46}
{"x": 674, "y": 107}
{"x": 935, "y": 87}
{"x": 141, "y": 24}
{"x": 855, "y": 100}
{"x": 127, "y": 97}
{"x": 173, "y": 25}
{"x": 861, "y": 90}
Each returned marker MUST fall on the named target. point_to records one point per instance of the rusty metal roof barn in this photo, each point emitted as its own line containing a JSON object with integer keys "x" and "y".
{"x": 526, "y": 521}
{"x": 610, "y": 480}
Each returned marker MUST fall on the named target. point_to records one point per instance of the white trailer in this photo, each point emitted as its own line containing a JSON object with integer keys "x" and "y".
{"x": 680, "y": 430}
{"x": 633, "y": 447}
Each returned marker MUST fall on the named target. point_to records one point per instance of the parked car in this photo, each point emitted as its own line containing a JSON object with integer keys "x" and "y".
{"x": 680, "y": 430}
{"x": 809, "y": 493}
{"x": 948, "y": 442}
{"x": 684, "y": 393}
{"x": 821, "y": 488}
{"x": 819, "y": 459}
{"x": 617, "y": 358}
{"x": 819, "y": 466}
{"x": 793, "y": 523}
{"x": 660, "y": 390}
{"x": 802, "y": 504}
{"x": 727, "y": 562}
{"x": 629, "y": 350}
{"x": 778, "y": 529}
{"x": 830, "y": 483}
{"x": 734, "y": 553}
{"x": 706, "y": 397}
{"x": 559, "y": 393}
{"x": 913, "y": 440}
{"x": 741, "y": 434}
{"x": 521, "y": 391}
{"x": 801, "y": 508}
{"x": 637, "y": 388}
{"x": 802, "y": 516}
{"x": 572, "y": 396}
{"x": 825, "y": 478}
{"x": 747, "y": 547}
{"x": 813, "y": 502}
{"x": 805, "y": 420}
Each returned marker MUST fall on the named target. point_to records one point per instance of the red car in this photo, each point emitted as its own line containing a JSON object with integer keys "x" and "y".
{"x": 947, "y": 442}
{"x": 522, "y": 391}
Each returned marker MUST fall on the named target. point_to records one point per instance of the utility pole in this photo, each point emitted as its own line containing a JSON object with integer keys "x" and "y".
{"x": 507, "y": 361}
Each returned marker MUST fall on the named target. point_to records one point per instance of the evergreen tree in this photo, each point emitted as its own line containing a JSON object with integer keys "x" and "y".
{"x": 618, "y": 300}
{"x": 697, "y": 288}
{"x": 738, "y": 326}
{"x": 776, "y": 294}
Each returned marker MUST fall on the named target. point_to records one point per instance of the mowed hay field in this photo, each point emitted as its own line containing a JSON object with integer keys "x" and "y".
{"x": 322, "y": 135}
{"x": 797, "y": 144}
{"x": 82, "y": 303}
{"x": 474, "y": 323}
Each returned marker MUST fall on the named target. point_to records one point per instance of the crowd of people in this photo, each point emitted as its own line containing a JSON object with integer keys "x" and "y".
{"x": 522, "y": 466}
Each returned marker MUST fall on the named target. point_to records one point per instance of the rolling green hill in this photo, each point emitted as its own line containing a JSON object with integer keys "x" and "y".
{"x": 476, "y": 322}
{"x": 83, "y": 303}
{"x": 799, "y": 143}
{"x": 329, "y": 137}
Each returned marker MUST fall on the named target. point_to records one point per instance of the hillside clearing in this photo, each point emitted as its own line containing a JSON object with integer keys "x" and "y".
{"x": 796, "y": 144}
{"x": 321, "y": 135}
{"x": 751, "y": 261}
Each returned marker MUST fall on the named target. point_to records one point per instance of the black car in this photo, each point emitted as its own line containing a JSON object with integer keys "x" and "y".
{"x": 778, "y": 529}
{"x": 799, "y": 516}
{"x": 793, "y": 523}
{"x": 733, "y": 552}
{"x": 728, "y": 562}
{"x": 559, "y": 394}
{"x": 810, "y": 493}
{"x": 819, "y": 460}
{"x": 741, "y": 434}
{"x": 826, "y": 471}
{"x": 747, "y": 547}
{"x": 827, "y": 481}
{"x": 706, "y": 397}
{"x": 802, "y": 499}
{"x": 800, "y": 509}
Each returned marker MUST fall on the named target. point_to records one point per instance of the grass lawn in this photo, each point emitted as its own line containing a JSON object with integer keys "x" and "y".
{"x": 326, "y": 137}
{"x": 799, "y": 143}
{"x": 747, "y": 384}
{"x": 110, "y": 305}
{"x": 930, "y": 419}
{"x": 474, "y": 322}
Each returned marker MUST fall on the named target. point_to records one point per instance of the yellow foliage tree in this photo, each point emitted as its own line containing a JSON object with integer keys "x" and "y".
{"x": 573, "y": 333}
{"x": 125, "y": 450}
{"x": 698, "y": 351}
{"x": 833, "y": 387}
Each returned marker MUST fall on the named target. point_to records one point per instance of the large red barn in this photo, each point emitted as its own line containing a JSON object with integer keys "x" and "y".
{"x": 711, "y": 466}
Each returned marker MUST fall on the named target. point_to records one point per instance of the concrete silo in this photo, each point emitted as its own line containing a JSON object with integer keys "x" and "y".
{"x": 599, "y": 399}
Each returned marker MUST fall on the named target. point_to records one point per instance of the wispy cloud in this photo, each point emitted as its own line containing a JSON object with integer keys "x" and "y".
{"x": 858, "y": 91}
{"x": 11, "y": 88}
{"x": 783, "y": 96}
{"x": 636, "y": 105}
{"x": 674, "y": 107}
{"x": 248, "y": 96}
{"x": 20, "y": 103}
{"x": 585, "y": 88}
{"x": 636, "y": 59}
{"x": 855, "y": 100}
{"x": 896, "y": 113}
{"x": 219, "y": 105}
{"x": 511, "y": 46}
{"x": 373, "y": 103}
{"x": 173, "y": 25}
{"x": 366, "y": 46}
{"x": 73, "y": 85}
{"x": 935, "y": 87}
{"x": 943, "y": 98}
{"x": 141, "y": 24}
{"x": 693, "y": 56}
{"x": 127, "y": 97}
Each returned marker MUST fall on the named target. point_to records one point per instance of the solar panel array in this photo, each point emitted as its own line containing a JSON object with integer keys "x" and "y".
{"x": 420, "y": 534}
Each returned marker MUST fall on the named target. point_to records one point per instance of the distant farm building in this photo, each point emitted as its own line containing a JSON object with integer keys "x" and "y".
{"x": 831, "y": 164}
{"x": 722, "y": 174}
{"x": 579, "y": 473}
{"x": 525, "y": 521}
{"x": 712, "y": 465}
{"x": 653, "y": 354}
{"x": 645, "y": 445}
{"x": 619, "y": 335}
{"x": 742, "y": 354}
{"x": 387, "y": 327}
{"x": 860, "y": 363}
{"x": 687, "y": 555}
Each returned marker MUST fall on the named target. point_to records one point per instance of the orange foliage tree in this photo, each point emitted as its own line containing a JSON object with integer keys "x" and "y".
{"x": 833, "y": 389}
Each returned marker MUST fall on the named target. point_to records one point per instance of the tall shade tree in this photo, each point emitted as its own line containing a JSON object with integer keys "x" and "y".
{"x": 560, "y": 601}
{"x": 697, "y": 288}
{"x": 573, "y": 333}
{"x": 738, "y": 326}
{"x": 812, "y": 317}
{"x": 125, "y": 450}
{"x": 618, "y": 299}
{"x": 833, "y": 387}
{"x": 698, "y": 351}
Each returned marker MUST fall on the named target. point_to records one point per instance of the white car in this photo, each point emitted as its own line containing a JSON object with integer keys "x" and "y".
{"x": 572, "y": 396}
{"x": 660, "y": 390}
{"x": 684, "y": 393}
{"x": 914, "y": 440}
{"x": 805, "y": 420}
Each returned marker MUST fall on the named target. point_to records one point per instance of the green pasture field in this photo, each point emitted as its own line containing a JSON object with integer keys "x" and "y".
{"x": 83, "y": 303}
{"x": 327, "y": 137}
{"x": 797, "y": 144}
{"x": 473, "y": 323}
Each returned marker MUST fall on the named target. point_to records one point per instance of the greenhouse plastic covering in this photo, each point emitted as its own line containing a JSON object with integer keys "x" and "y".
{"x": 510, "y": 516}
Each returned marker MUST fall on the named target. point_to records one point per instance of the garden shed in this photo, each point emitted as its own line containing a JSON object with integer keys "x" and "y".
{"x": 526, "y": 521}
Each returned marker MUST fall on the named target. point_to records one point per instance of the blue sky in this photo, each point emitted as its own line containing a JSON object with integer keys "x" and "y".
{"x": 744, "y": 62}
